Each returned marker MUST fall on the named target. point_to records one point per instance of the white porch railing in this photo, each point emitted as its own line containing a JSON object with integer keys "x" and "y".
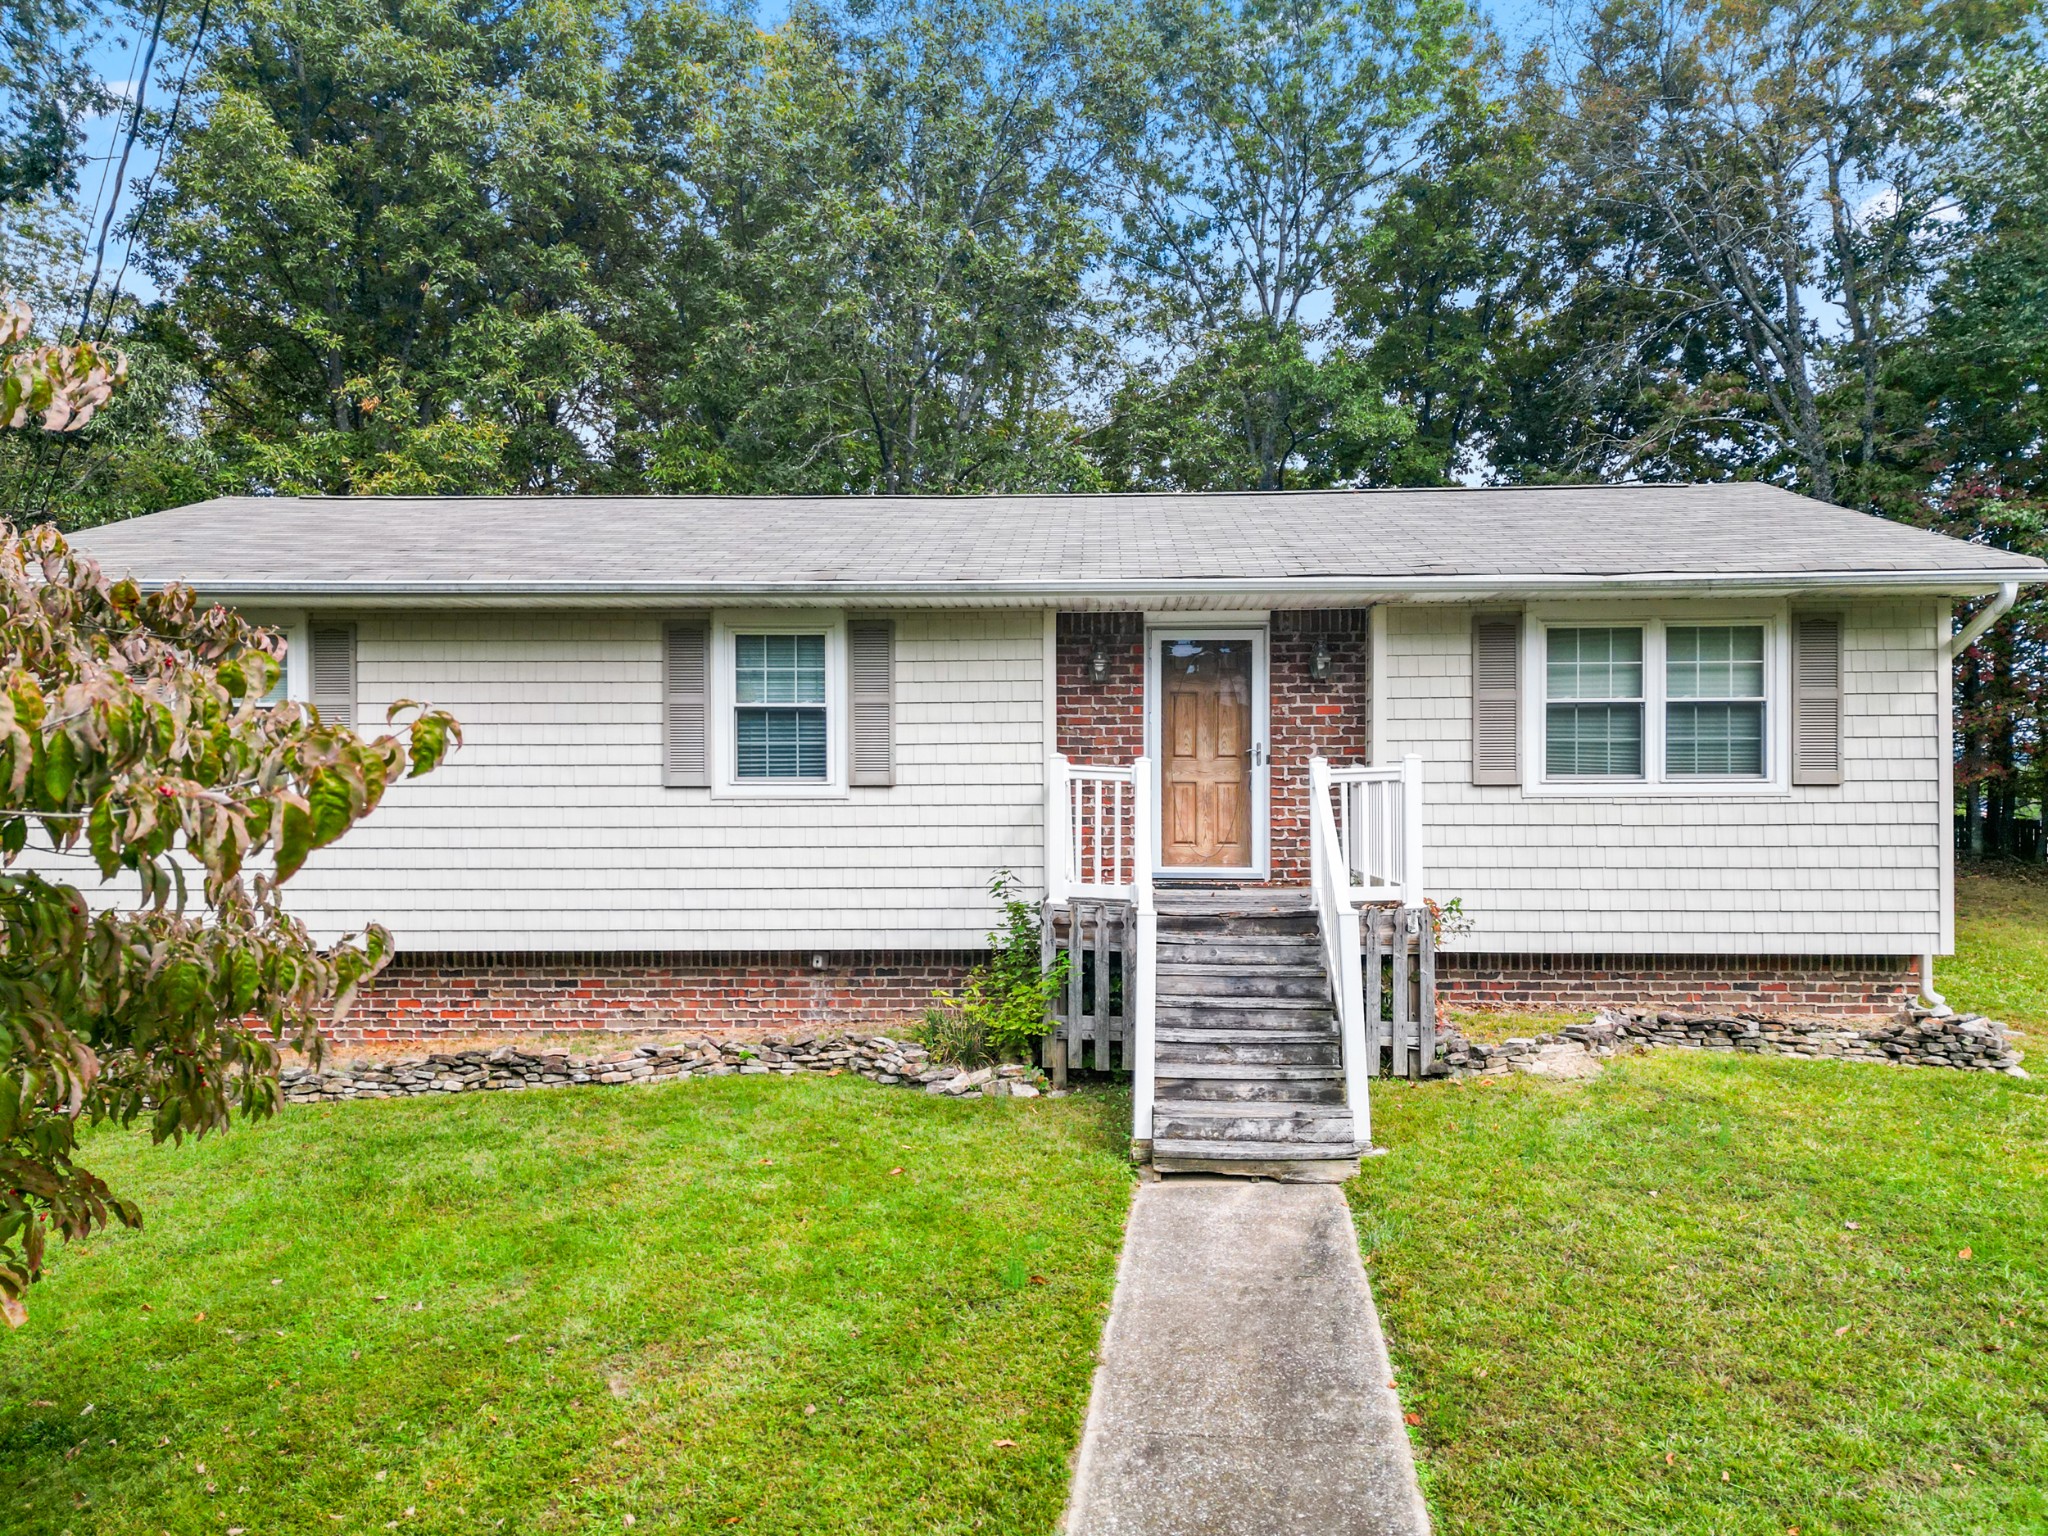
{"x": 1337, "y": 918}
{"x": 1379, "y": 829}
{"x": 1098, "y": 847}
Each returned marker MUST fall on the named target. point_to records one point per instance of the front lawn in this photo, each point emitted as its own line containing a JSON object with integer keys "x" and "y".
{"x": 1716, "y": 1293}
{"x": 729, "y": 1305}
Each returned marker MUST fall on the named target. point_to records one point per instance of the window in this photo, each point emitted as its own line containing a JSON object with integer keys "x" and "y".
{"x": 1714, "y": 693}
{"x": 290, "y": 682}
{"x": 1595, "y": 691}
{"x": 779, "y": 719}
{"x": 1664, "y": 705}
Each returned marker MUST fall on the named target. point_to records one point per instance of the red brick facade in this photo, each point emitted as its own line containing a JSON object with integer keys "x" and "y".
{"x": 1843, "y": 986}
{"x": 427, "y": 997}
{"x": 1105, "y": 722}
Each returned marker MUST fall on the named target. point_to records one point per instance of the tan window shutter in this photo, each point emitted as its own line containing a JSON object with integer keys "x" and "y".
{"x": 686, "y": 756}
{"x": 332, "y": 656}
{"x": 1496, "y": 699}
{"x": 1816, "y": 699}
{"x": 871, "y": 669}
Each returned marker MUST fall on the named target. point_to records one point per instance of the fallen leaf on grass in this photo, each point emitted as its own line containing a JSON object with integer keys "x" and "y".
{"x": 1411, "y": 1418}
{"x": 894, "y": 1171}
{"x": 1670, "y": 1458}
{"x": 1962, "y": 1253}
{"x": 1040, "y": 1280}
{"x": 1841, "y": 1330}
{"x": 1006, "y": 1445}
{"x": 199, "y": 1317}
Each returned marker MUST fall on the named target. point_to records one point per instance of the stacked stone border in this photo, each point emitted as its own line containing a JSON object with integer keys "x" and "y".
{"x": 507, "y": 1068}
{"x": 1917, "y": 1037}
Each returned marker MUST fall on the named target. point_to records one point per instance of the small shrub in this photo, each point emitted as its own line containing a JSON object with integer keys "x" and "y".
{"x": 1002, "y": 1006}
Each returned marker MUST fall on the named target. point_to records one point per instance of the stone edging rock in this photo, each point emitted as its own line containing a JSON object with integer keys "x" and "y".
{"x": 892, "y": 1063}
{"x": 1918, "y": 1037}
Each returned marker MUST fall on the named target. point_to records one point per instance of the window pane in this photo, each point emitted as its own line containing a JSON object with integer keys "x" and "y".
{"x": 1594, "y": 741}
{"x": 780, "y": 743}
{"x": 779, "y": 669}
{"x": 1714, "y": 739}
{"x": 1596, "y": 664}
{"x": 1723, "y": 662}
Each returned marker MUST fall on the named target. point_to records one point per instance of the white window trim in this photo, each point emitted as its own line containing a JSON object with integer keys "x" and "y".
{"x": 720, "y": 742}
{"x": 1653, "y": 619}
{"x": 298, "y": 677}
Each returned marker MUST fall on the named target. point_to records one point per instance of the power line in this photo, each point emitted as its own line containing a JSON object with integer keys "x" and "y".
{"x": 121, "y": 170}
{"x": 149, "y": 183}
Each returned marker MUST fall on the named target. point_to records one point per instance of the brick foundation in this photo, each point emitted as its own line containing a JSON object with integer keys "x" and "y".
{"x": 434, "y": 997}
{"x": 1845, "y": 986}
{"x": 1105, "y": 722}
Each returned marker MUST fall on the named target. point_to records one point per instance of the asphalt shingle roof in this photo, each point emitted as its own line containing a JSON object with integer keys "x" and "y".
{"x": 1402, "y": 540}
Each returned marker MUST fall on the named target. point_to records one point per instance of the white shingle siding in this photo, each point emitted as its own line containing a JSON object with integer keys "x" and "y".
{"x": 1854, "y": 869}
{"x": 550, "y": 829}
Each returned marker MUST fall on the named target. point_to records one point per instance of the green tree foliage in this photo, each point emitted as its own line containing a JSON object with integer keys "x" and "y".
{"x": 386, "y": 238}
{"x": 1792, "y": 164}
{"x": 47, "y": 90}
{"x": 1971, "y": 397}
{"x": 132, "y": 739}
{"x": 1252, "y": 141}
{"x": 899, "y": 200}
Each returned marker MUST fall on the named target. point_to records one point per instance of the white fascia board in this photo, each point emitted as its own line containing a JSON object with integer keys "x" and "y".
{"x": 1193, "y": 592}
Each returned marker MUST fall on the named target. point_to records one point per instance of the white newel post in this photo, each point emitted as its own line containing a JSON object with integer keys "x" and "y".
{"x": 1057, "y": 833}
{"x": 1343, "y": 940}
{"x": 1411, "y": 832}
{"x": 1146, "y": 984}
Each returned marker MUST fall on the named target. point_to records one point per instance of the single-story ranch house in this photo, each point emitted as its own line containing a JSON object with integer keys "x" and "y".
{"x": 753, "y": 761}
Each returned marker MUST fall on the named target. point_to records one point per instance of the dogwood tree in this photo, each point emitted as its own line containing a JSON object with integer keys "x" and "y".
{"x": 134, "y": 740}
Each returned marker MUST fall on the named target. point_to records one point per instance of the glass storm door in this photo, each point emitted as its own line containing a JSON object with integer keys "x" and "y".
{"x": 1207, "y": 753}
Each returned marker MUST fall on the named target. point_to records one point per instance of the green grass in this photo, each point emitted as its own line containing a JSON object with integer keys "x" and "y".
{"x": 735, "y": 1305}
{"x": 1603, "y": 1297}
{"x": 2000, "y": 967}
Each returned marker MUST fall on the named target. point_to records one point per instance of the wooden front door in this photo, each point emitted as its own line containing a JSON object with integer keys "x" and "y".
{"x": 1205, "y": 757}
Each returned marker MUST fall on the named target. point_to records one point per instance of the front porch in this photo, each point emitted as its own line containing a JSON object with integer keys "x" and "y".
{"x": 1251, "y": 1015}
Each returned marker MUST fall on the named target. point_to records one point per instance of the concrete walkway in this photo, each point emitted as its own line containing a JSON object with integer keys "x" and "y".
{"x": 1243, "y": 1389}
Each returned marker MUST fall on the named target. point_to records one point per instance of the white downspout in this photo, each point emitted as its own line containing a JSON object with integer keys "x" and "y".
{"x": 1983, "y": 619}
{"x": 1959, "y": 642}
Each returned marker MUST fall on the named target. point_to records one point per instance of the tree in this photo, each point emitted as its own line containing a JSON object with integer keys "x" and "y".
{"x": 899, "y": 199}
{"x": 1969, "y": 396}
{"x": 1447, "y": 294}
{"x": 391, "y": 242}
{"x": 1794, "y": 162}
{"x": 48, "y": 88}
{"x": 1252, "y": 141}
{"x": 131, "y": 734}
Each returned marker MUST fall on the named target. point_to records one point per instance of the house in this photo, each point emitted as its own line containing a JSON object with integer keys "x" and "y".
{"x": 753, "y": 761}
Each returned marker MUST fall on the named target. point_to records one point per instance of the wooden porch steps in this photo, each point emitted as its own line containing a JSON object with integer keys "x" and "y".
{"x": 1247, "y": 1062}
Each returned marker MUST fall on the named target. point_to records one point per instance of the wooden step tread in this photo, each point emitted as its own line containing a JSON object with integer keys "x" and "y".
{"x": 1197, "y": 1109}
{"x": 1167, "y": 1068}
{"x": 1198, "y": 1150}
{"x": 1229, "y": 1035}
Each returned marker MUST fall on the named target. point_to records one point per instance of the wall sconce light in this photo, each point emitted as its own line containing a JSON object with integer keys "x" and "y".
{"x": 1319, "y": 664}
{"x": 1098, "y": 663}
